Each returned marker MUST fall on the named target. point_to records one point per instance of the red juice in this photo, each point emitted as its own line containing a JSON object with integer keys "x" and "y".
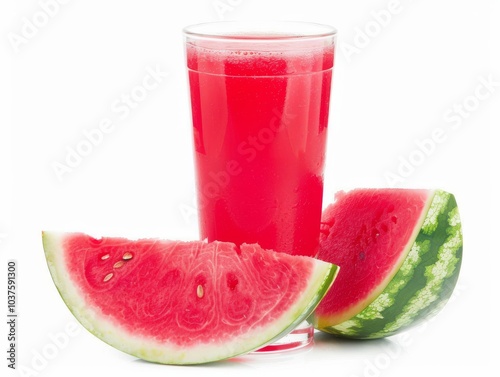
{"x": 260, "y": 127}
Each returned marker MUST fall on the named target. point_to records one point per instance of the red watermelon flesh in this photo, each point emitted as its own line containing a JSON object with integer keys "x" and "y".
{"x": 183, "y": 302}
{"x": 366, "y": 232}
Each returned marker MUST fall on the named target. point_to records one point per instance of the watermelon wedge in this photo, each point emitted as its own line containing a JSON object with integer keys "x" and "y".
{"x": 400, "y": 251}
{"x": 183, "y": 302}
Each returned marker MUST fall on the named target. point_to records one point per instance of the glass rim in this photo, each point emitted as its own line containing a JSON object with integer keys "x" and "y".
{"x": 259, "y": 31}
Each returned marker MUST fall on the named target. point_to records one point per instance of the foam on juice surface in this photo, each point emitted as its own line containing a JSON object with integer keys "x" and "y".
{"x": 259, "y": 58}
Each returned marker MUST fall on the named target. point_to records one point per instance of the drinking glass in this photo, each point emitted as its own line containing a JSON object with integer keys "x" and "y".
{"x": 260, "y": 94}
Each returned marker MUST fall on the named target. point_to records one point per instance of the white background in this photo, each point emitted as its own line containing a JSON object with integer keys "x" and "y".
{"x": 393, "y": 88}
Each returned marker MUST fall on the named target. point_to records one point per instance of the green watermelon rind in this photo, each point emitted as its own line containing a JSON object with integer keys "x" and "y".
{"x": 111, "y": 333}
{"x": 423, "y": 283}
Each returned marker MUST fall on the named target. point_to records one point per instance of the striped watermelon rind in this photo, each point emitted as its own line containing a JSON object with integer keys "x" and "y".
{"x": 424, "y": 282}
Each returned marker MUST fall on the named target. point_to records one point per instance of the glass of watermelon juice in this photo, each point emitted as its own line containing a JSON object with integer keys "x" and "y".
{"x": 260, "y": 96}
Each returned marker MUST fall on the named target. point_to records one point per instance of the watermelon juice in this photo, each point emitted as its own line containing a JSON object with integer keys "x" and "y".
{"x": 260, "y": 106}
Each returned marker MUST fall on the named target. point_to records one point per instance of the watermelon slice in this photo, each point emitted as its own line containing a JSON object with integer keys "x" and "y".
{"x": 400, "y": 251}
{"x": 183, "y": 302}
